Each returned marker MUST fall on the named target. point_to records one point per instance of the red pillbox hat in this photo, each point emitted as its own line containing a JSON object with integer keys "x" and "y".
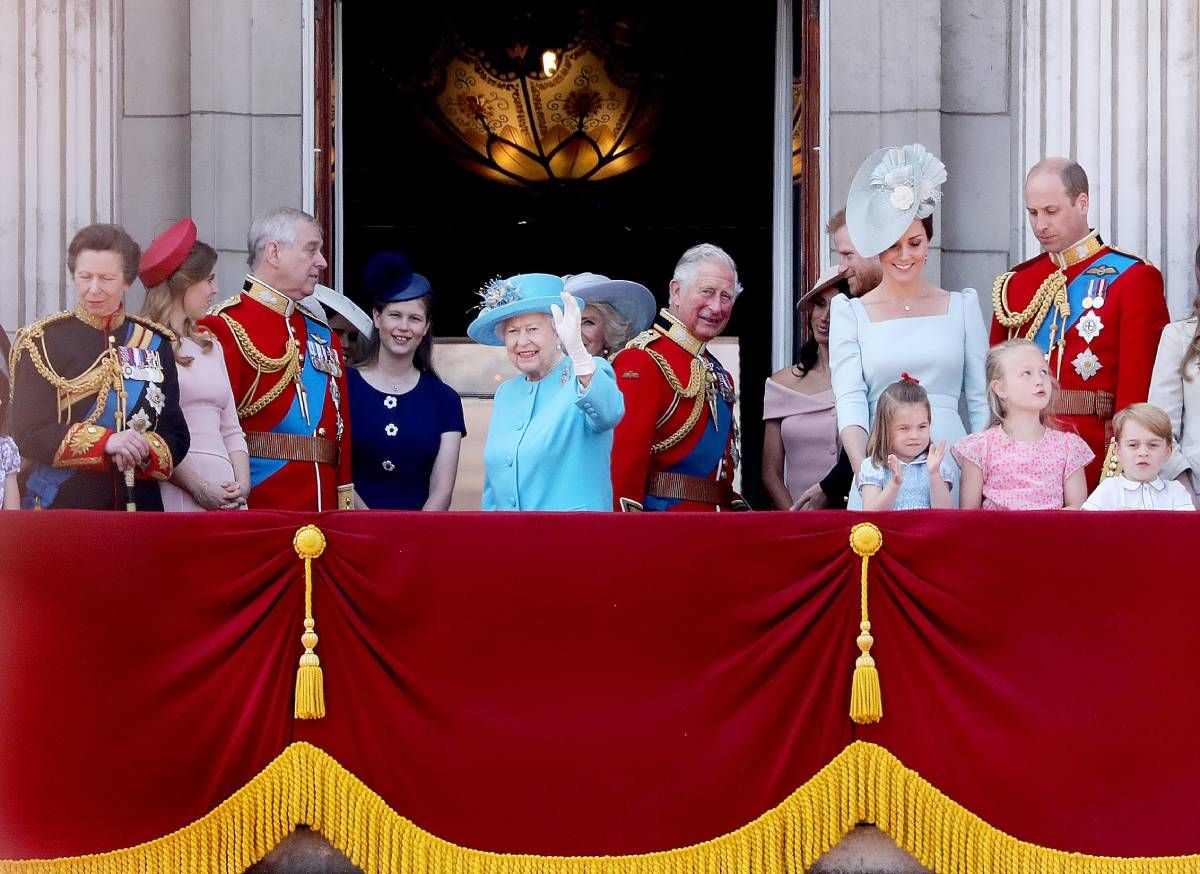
{"x": 167, "y": 252}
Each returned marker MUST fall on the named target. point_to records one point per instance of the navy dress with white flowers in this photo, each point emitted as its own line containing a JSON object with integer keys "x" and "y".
{"x": 396, "y": 438}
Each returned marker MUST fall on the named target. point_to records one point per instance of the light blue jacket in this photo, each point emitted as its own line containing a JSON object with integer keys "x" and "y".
{"x": 549, "y": 446}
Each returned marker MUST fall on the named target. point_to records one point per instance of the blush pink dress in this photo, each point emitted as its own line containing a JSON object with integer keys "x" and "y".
{"x": 1019, "y": 475}
{"x": 808, "y": 424}
{"x": 211, "y": 413}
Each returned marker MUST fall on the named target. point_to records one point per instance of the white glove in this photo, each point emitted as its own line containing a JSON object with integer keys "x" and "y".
{"x": 567, "y": 324}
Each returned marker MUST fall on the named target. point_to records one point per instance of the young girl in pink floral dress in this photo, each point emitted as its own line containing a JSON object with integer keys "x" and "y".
{"x": 1020, "y": 462}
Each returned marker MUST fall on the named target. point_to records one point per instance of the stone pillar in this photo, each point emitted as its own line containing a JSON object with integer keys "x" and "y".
{"x": 58, "y": 160}
{"x": 153, "y": 121}
{"x": 884, "y": 86}
{"x": 1114, "y": 85}
{"x": 979, "y": 197}
{"x": 245, "y": 120}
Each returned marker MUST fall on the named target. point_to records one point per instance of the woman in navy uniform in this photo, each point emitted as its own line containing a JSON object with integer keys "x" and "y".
{"x": 95, "y": 393}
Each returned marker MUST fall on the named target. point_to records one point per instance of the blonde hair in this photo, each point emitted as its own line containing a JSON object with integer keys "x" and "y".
{"x": 994, "y": 371}
{"x": 617, "y": 328}
{"x": 906, "y": 392}
{"x": 160, "y": 299}
{"x": 1153, "y": 419}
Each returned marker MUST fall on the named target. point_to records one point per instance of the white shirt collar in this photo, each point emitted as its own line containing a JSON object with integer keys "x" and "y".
{"x": 1133, "y": 485}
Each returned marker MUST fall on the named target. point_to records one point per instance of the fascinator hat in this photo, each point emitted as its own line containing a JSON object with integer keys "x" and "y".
{"x": 515, "y": 296}
{"x": 892, "y": 187}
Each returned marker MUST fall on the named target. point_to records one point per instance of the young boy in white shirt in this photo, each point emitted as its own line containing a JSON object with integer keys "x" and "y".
{"x": 1143, "y": 433}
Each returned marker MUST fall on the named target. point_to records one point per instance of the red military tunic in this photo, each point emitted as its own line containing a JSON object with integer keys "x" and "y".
{"x": 669, "y": 451}
{"x": 1108, "y": 354}
{"x": 288, "y": 376}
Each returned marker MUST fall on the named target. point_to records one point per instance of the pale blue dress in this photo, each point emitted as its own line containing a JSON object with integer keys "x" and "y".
{"x": 914, "y": 492}
{"x": 549, "y": 444}
{"x": 946, "y": 353}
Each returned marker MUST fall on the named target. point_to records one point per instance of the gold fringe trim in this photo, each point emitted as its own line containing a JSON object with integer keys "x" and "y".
{"x": 863, "y": 783}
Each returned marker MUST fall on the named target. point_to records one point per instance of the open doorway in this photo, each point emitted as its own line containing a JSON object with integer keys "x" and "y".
{"x": 399, "y": 178}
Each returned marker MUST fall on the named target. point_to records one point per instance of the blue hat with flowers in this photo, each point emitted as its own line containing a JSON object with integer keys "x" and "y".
{"x": 892, "y": 187}
{"x": 515, "y": 296}
{"x": 389, "y": 277}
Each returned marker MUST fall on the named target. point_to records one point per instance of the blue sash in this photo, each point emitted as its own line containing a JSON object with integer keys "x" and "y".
{"x": 44, "y": 481}
{"x": 705, "y": 455}
{"x": 315, "y": 384}
{"x": 1109, "y": 268}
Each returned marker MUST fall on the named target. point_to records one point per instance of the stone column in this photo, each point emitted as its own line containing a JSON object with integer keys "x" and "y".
{"x": 1113, "y": 84}
{"x": 884, "y": 87}
{"x": 976, "y": 145}
{"x": 245, "y": 120}
{"x": 58, "y": 156}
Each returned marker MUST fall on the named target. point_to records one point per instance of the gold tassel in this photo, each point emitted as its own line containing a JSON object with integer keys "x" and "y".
{"x": 310, "y": 682}
{"x": 866, "y": 701}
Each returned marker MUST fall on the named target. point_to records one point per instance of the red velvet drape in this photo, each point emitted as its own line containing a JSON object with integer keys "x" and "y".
{"x": 579, "y": 684}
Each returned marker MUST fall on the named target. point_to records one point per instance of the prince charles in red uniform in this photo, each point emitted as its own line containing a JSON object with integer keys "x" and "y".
{"x": 677, "y": 446}
{"x": 287, "y": 371}
{"x": 1096, "y": 312}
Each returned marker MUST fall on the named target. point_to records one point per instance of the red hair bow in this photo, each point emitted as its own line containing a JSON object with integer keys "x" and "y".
{"x": 904, "y": 376}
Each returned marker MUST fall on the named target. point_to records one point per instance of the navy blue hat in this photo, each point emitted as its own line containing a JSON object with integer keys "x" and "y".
{"x": 389, "y": 277}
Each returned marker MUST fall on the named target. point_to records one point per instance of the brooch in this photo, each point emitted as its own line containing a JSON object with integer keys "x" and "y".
{"x": 1086, "y": 364}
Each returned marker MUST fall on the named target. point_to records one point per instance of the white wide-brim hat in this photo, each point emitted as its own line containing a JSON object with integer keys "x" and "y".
{"x": 632, "y": 300}
{"x": 892, "y": 187}
{"x": 335, "y": 301}
{"x": 515, "y": 296}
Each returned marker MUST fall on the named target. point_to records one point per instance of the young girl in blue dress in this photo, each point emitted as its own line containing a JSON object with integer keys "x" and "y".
{"x": 903, "y": 470}
{"x": 407, "y": 424}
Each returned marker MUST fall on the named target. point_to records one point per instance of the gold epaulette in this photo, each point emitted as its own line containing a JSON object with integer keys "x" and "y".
{"x": 27, "y": 335}
{"x": 96, "y": 379}
{"x": 644, "y": 339}
{"x": 1137, "y": 258}
{"x": 228, "y": 302}
{"x": 154, "y": 326}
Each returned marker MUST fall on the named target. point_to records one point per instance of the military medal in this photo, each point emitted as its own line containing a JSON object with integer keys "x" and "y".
{"x": 1086, "y": 364}
{"x": 1089, "y": 326}
{"x": 155, "y": 397}
{"x": 727, "y": 390}
{"x": 140, "y": 364}
{"x": 322, "y": 357}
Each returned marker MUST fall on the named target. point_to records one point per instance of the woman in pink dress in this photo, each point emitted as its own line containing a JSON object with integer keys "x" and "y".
{"x": 177, "y": 271}
{"x": 801, "y": 449}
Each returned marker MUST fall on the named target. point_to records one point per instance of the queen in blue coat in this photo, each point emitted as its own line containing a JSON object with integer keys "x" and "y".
{"x": 549, "y": 442}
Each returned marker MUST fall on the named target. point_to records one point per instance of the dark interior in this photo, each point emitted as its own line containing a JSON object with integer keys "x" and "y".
{"x": 708, "y": 179}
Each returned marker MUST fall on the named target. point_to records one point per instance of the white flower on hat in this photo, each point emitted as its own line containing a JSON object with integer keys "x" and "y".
{"x": 902, "y": 197}
{"x": 898, "y": 173}
{"x": 892, "y": 187}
